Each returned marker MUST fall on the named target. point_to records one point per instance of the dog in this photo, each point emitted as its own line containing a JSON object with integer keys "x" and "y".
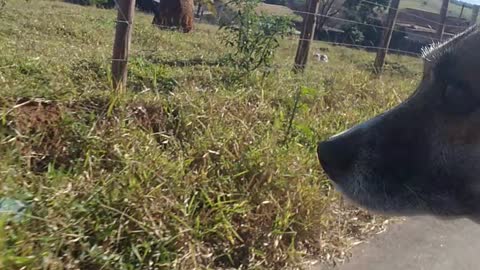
{"x": 423, "y": 156}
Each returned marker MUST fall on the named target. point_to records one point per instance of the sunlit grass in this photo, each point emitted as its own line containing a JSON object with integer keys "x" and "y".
{"x": 191, "y": 169}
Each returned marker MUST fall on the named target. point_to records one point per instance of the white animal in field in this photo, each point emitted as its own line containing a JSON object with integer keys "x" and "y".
{"x": 321, "y": 57}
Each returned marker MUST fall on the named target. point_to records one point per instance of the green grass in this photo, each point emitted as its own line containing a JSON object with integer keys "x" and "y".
{"x": 190, "y": 169}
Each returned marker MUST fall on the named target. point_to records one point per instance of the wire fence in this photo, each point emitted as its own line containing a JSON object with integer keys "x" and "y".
{"x": 410, "y": 14}
{"x": 460, "y": 27}
{"x": 357, "y": 46}
{"x": 340, "y": 19}
{"x": 426, "y": 36}
{"x": 341, "y": 61}
{"x": 368, "y": 24}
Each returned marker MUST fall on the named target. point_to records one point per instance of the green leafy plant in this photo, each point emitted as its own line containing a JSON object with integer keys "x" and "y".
{"x": 369, "y": 15}
{"x": 301, "y": 130}
{"x": 253, "y": 37}
{"x": 354, "y": 34}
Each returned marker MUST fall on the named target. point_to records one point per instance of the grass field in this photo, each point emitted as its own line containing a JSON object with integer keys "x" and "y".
{"x": 190, "y": 169}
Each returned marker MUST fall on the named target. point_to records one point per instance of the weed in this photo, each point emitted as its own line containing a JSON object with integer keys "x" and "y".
{"x": 254, "y": 37}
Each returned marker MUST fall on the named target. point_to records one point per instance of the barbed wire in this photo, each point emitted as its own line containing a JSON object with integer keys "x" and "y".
{"x": 379, "y": 26}
{"x": 284, "y": 65}
{"x": 292, "y": 44}
{"x": 386, "y": 7}
{"x": 364, "y": 47}
{"x": 125, "y": 20}
{"x": 369, "y": 24}
{"x": 427, "y": 37}
{"x": 333, "y": 43}
{"x": 431, "y": 38}
{"x": 140, "y": 51}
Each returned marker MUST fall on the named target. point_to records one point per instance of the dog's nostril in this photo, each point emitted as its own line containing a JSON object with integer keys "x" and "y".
{"x": 336, "y": 156}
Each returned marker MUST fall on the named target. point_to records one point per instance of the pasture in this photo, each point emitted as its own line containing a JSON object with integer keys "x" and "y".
{"x": 192, "y": 168}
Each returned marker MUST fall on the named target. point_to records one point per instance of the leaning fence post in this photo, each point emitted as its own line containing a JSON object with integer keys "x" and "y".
{"x": 474, "y": 17}
{"x": 443, "y": 18}
{"x": 306, "y": 36}
{"x": 121, "y": 45}
{"x": 386, "y": 36}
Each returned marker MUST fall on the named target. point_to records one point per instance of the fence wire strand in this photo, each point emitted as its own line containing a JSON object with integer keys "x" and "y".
{"x": 364, "y": 46}
{"x": 369, "y": 24}
{"x": 410, "y": 14}
{"x": 125, "y": 20}
{"x": 333, "y": 43}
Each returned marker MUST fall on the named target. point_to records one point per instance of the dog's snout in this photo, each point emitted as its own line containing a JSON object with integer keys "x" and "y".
{"x": 336, "y": 155}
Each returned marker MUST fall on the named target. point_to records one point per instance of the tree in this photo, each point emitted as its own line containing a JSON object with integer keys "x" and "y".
{"x": 327, "y": 9}
{"x": 360, "y": 11}
{"x": 368, "y": 20}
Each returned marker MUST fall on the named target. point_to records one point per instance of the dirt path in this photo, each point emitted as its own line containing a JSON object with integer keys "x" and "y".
{"x": 420, "y": 243}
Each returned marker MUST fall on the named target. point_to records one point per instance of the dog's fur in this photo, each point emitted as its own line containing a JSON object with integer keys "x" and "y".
{"x": 423, "y": 156}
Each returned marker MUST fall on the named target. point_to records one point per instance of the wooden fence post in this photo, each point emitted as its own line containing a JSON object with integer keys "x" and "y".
{"x": 443, "y": 19}
{"x": 306, "y": 36}
{"x": 474, "y": 18}
{"x": 121, "y": 46}
{"x": 386, "y": 36}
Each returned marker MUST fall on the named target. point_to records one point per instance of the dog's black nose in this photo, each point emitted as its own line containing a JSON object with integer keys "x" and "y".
{"x": 336, "y": 156}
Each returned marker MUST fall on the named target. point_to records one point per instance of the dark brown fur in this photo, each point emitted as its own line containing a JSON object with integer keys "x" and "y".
{"x": 175, "y": 13}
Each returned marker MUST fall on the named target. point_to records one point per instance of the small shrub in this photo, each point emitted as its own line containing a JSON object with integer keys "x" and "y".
{"x": 353, "y": 34}
{"x": 253, "y": 37}
{"x": 369, "y": 15}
